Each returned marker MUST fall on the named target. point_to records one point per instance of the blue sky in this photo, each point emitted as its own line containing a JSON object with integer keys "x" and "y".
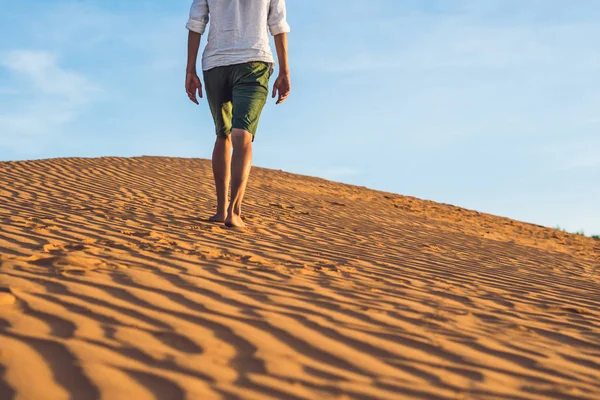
{"x": 492, "y": 105}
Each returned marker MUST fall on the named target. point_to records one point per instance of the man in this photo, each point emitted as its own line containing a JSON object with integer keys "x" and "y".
{"x": 236, "y": 64}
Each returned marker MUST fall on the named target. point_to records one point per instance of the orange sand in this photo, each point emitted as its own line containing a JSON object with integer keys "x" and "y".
{"x": 113, "y": 286}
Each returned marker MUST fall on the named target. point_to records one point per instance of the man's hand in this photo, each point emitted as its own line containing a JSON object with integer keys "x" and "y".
{"x": 193, "y": 85}
{"x": 282, "y": 85}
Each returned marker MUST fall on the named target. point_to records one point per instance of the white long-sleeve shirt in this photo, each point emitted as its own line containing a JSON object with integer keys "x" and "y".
{"x": 238, "y": 29}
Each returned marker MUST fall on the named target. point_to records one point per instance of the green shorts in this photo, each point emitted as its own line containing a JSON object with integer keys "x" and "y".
{"x": 236, "y": 95}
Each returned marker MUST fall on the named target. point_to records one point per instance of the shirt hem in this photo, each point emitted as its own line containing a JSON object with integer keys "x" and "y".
{"x": 208, "y": 64}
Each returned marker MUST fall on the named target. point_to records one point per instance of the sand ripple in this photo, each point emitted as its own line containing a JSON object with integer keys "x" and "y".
{"x": 114, "y": 286}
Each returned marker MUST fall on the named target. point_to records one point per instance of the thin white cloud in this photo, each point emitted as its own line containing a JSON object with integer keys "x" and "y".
{"x": 579, "y": 154}
{"x": 8, "y": 91}
{"x": 441, "y": 42}
{"x": 44, "y": 76}
{"x": 44, "y": 96}
{"x": 456, "y": 34}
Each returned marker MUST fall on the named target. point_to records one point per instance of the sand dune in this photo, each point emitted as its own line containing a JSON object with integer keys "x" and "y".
{"x": 113, "y": 286}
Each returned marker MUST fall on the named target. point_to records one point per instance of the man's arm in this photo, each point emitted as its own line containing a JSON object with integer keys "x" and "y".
{"x": 192, "y": 82}
{"x": 282, "y": 83}
{"x": 196, "y": 26}
{"x": 279, "y": 29}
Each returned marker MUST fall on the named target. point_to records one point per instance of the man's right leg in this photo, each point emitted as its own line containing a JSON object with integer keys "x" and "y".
{"x": 221, "y": 165}
{"x": 250, "y": 90}
{"x": 241, "y": 165}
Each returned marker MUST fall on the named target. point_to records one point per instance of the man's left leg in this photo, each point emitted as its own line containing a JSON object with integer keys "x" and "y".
{"x": 221, "y": 165}
{"x": 219, "y": 93}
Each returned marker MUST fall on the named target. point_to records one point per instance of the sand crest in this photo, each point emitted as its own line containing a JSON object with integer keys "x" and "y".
{"x": 113, "y": 285}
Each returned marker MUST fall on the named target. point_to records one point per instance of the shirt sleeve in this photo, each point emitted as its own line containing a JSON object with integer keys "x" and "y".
{"x": 198, "y": 16}
{"x": 277, "y": 17}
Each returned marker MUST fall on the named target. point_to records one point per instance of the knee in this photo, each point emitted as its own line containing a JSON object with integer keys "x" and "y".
{"x": 241, "y": 138}
{"x": 223, "y": 142}
{"x": 223, "y": 139}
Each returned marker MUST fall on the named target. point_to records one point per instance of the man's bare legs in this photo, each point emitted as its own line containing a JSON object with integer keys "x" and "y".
{"x": 235, "y": 169}
{"x": 240, "y": 171}
{"x": 221, "y": 165}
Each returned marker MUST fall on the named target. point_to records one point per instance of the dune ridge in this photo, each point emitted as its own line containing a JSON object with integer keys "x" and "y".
{"x": 114, "y": 286}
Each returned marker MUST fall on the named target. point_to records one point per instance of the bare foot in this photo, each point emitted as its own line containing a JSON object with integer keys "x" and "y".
{"x": 234, "y": 221}
{"x": 218, "y": 217}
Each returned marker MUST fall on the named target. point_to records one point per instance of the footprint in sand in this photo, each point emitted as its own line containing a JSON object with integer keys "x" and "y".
{"x": 53, "y": 248}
